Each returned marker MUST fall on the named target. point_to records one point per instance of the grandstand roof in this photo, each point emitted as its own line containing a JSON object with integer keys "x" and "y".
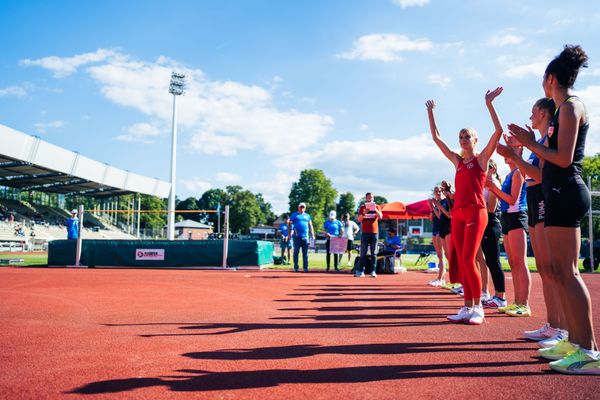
{"x": 29, "y": 163}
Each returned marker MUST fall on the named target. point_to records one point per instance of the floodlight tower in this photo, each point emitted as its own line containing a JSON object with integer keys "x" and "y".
{"x": 176, "y": 88}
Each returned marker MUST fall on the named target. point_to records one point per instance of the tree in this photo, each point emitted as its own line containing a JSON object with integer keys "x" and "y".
{"x": 314, "y": 189}
{"x": 346, "y": 204}
{"x": 267, "y": 215}
{"x": 210, "y": 200}
{"x": 188, "y": 204}
{"x": 244, "y": 211}
{"x": 377, "y": 199}
{"x": 153, "y": 220}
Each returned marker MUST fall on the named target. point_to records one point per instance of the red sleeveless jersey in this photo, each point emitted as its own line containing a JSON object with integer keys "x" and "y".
{"x": 469, "y": 181}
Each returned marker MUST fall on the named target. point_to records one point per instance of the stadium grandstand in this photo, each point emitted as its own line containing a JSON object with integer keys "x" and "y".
{"x": 46, "y": 174}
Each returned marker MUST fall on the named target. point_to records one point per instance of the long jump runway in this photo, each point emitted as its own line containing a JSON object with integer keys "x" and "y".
{"x": 158, "y": 334}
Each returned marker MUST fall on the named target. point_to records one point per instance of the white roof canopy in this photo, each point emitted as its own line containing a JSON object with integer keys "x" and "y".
{"x": 29, "y": 163}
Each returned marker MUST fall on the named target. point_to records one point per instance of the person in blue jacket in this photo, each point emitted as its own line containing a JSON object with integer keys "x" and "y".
{"x": 333, "y": 227}
{"x": 73, "y": 226}
{"x": 301, "y": 232}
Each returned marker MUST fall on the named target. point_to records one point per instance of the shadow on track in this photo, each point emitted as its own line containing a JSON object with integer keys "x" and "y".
{"x": 201, "y": 380}
{"x": 309, "y": 350}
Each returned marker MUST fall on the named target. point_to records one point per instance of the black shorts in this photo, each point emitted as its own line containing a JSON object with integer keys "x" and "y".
{"x": 535, "y": 205}
{"x": 444, "y": 229}
{"x": 512, "y": 221}
{"x": 350, "y": 245}
{"x": 567, "y": 201}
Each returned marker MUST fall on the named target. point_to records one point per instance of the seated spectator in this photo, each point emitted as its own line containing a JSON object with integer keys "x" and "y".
{"x": 391, "y": 244}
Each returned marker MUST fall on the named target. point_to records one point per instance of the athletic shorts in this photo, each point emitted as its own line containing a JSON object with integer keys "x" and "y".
{"x": 444, "y": 229}
{"x": 512, "y": 221}
{"x": 285, "y": 244}
{"x": 535, "y": 205}
{"x": 350, "y": 245}
{"x": 567, "y": 201}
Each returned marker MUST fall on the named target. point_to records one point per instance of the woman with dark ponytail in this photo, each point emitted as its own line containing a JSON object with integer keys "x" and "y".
{"x": 567, "y": 201}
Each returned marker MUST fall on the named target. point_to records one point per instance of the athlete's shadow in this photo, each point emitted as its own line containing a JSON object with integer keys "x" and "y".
{"x": 222, "y": 328}
{"x": 200, "y": 380}
{"x": 309, "y": 350}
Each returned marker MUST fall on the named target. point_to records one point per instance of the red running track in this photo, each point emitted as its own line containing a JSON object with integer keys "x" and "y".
{"x": 162, "y": 334}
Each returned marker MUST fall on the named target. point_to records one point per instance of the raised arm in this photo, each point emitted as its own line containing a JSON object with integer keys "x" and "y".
{"x": 569, "y": 119}
{"x": 488, "y": 150}
{"x": 515, "y": 188}
{"x": 437, "y": 139}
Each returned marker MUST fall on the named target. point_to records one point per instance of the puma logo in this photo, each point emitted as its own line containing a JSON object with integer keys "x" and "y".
{"x": 472, "y": 223}
{"x": 557, "y": 190}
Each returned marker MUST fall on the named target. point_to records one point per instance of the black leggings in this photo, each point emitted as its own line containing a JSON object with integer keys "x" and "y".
{"x": 490, "y": 244}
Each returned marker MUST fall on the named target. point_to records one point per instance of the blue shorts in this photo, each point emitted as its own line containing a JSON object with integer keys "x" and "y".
{"x": 285, "y": 244}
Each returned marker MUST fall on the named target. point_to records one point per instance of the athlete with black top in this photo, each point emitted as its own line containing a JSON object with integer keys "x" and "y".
{"x": 567, "y": 201}
{"x": 438, "y": 242}
{"x": 554, "y": 329}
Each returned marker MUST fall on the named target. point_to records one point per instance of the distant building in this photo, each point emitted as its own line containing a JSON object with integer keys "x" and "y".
{"x": 263, "y": 231}
{"x": 192, "y": 230}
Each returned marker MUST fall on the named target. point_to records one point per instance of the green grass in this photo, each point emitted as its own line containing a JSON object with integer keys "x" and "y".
{"x": 29, "y": 259}
{"x": 317, "y": 262}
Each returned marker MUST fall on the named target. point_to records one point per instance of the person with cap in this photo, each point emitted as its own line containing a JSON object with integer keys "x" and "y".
{"x": 302, "y": 228}
{"x": 333, "y": 228}
{"x": 350, "y": 230}
{"x": 73, "y": 225}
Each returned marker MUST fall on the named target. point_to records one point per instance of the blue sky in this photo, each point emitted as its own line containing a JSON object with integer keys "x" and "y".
{"x": 279, "y": 86}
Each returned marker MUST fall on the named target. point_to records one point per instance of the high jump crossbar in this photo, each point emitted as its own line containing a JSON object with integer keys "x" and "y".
{"x": 154, "y": 211}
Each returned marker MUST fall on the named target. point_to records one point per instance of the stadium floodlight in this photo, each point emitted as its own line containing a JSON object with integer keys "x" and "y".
{"x": 176, "y": 88}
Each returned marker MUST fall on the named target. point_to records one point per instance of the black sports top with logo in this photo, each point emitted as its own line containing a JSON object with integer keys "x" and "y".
{"x": 566, "y": 197}
{"x": 551, "y": 171}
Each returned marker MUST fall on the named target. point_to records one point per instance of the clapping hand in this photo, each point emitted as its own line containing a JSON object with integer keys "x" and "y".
{"x": 525, "y": 137}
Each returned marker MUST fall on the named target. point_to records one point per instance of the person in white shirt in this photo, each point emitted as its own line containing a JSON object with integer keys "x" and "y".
{"x": 350, "y": 229}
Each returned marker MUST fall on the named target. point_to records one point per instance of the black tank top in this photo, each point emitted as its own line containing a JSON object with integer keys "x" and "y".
{"x": 552, "y": 171}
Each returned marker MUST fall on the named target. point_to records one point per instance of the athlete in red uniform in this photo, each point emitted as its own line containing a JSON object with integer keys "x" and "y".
{"x": 469, "y": 217}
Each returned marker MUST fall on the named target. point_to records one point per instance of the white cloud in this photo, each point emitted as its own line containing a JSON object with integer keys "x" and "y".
{"x": 440, "y": 80}
{"x": 223, "y": 117}
{"x": 16, "y": 91}
{"x": 139, "y": 133}
{"x": 382, "y": 165}
{"x": 227, "y": 177}
{"x": 519, "y": 69}
{"x": 276, "y": 189}
{"x": 196, "y": 186}
{"x": 65, "y": 66}
{"x": 42, "y": 127}
{"x": 384, "y": 47}
{"x": 591, "y": 97}
{"x": 277, "y": 79}
{"x": 505, "y": 37}
{"x": 411, "y": 3}
{"x": 363, "y": 127}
